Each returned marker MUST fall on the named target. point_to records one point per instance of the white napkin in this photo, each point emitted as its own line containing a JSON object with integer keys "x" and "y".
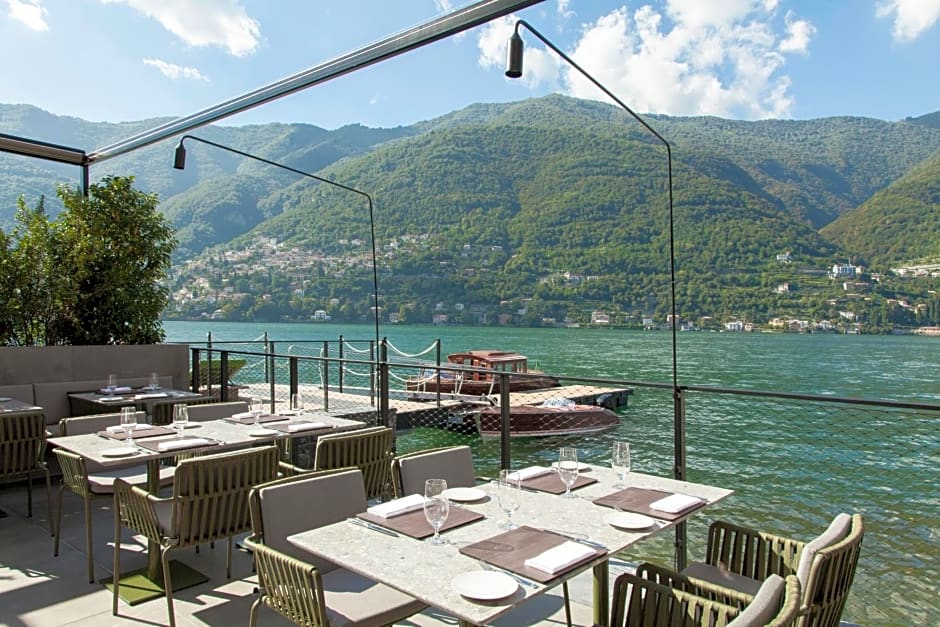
{"x": 530, "y": 472}
{"x": 560, "y": 557}
{"x": 675, "y": 503}
{"x": 305, "y": 426}
{"x": 248, "y": 414}
{"x": 123, "y": 389}
{"x": 141, "y": 397}
{"x": 397, "y": 507}
{"x": 172, "y": 445}
{"x": 115, "y": 429}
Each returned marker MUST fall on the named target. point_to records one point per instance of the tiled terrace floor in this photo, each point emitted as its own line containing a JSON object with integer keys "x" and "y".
{"x": 37, "y": 589}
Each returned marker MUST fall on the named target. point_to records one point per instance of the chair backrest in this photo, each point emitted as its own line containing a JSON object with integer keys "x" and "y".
{"x": 215, "y": 411}
{"x": 210, "y": 493}
{"x": 639, "y": 602}
{"x": 290, "y": 586}
{"x": 369, "y": 450}
{"x": 775, "y": 605}
{"x": 830, "y": 575}
{"x": 22, "y": 442}
{"x": 94, "y": 423}
{"x": 307, "y": 501}
{"x": 162, "y": 411}
{"x": 453, "y": 463}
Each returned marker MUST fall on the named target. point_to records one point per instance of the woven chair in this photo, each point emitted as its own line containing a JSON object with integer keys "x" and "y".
{"x": 369, "y": 450}
{"x": 453, "y": 463}
{"x": 642, "y": 600}
{"x": 90, "y": 480}
{"x": 740, "y": 558}
{"x": 306, "y": 589}
{"x": 216, "y": 411}
{"x": 162, "y": 413}
{"x": 209, "y": 502}
{"x": 22, "y": 451}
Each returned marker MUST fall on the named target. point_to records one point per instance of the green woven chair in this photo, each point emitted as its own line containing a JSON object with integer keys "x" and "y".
{"x": 209, "y": 502}
{"x": 163, "y": 411}
{"x": 22, "y": 451}
{"x": 739, "y": 558}
{"x": 369, "y": 450}
{"x": 649, "y": 600}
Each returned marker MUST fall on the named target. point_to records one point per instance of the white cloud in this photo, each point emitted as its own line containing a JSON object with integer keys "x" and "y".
{"x": 223, "y": 23}
{"x": 172, "y": 70}
{"x": 911, "y": 17}
{"x": 444, "y": 6}
{"x": 29, "y": 12}
{"x": 692, "y": 57}
{"x": 564, "y": 9}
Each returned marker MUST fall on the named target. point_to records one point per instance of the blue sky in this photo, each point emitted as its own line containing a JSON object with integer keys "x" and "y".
{"x": 119, "y": 60}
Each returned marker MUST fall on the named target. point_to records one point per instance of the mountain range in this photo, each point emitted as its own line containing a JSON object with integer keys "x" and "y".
{"x": 556, "y": 200}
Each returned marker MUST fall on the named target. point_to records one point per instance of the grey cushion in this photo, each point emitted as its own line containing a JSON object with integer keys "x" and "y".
{"x": 102, "y": 482}
{"x": 722, "y": 577}
{"x": 838, "y": 530}
{"x": 354, "y": 600}
{"x": 21, "y": 392}
{"x": 164, "y": 511}
{"x": 290, "y": 508}
{"x": 764, "y": 606}
{"x": 454, "y": 464}
{"x": 215, "y": 411}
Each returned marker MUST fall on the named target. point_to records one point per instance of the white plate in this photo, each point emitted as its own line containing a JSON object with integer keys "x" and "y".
{"x": 122, "y": 451}
{"x": 260, "y": 433}
{"x": 464, "y": 494}
{"x": 484, "y": 585}
{"x": 111, "y": 399}
{"x": 582, "y": 467}
{"x": 629, "y": 520}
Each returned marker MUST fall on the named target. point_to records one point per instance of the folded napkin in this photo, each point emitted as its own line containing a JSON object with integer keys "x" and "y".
{"x": 248, "y": 414}
{"x": 530, "y": 473}
{"x": 115, "y": 429}
{"x": 123, "y": 389}
{"x": 560, "y": 557}
{"x": 675, "y": 503}
{"x": 397, "y": 507}
{"x": 172, "y": 445}
{"x": 305, "y": 426}
{"x": 141, "y": 397}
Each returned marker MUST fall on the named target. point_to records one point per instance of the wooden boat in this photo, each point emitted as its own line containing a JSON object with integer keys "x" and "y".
{"x": 478, "y": 373}
{"x": 555, "y": 416}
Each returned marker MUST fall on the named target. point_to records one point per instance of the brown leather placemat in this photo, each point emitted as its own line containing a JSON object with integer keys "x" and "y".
{"x": 139, "y": 432}
{"x": 154, "y": 445}
{"x": 262, "y": 419}
{"x": 553, "y": 484}
{"x": 283, "y": 428}
{"x": 510, "y": 550}
{"x": 414, "y": 523}
{"x": 638, "y": 500}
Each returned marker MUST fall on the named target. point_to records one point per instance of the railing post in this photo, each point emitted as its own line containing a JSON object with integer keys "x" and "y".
{"x": 269, "y": 366}
{"x": 373, "y": 369}
{"x": 679, "y": 469}
{"x": 267, "y": 349}
{"x": 504, "y": 452}
{"x": 294, "y": 379}
{"x": 223, "y": 376}
{"x": 209, "y": 362}
{"x": 326, "y": 375}
{"x": 341, "y": 373}
{"x": 194, "y": 379}
{"x": 383, "y": 386}
{"x": 438, "y": 357}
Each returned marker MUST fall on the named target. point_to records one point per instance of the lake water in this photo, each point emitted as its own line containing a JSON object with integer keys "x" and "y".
{"x": 792, "y": 465}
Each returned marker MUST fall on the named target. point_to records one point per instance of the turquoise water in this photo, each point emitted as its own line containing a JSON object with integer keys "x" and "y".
{"x": 793, "y": 465}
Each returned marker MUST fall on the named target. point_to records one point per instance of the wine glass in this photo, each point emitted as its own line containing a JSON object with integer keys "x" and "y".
{"x": 568, "y": 467}
{"x": 112, "y": 383}
{"x": 129, "y": 423}
{"x": 620, "y": 462}
{"x": 436, "y": 508}
{"x": 297, "y": 403}
{"x": 257, "y": 408}
{"x": 154, "y": 381}
{"x": 508, "y": 491}
{"x": 180, "y": 418}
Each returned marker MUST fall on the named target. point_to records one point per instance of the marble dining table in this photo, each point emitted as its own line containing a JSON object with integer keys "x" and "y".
{"x": 428, "y": 572}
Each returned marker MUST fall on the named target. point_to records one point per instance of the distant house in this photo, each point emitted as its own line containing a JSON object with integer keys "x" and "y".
{"x": 784, "y": 257}
{"x": 843, "y": 271}
{"x": 394, "y": 318}
{"x": 599, "y": 317}
{"x": 439, "y": 318}
{"x": 734, "y": 325}
{"x": 320, "y": 315}
{"x": 783, "y": 288}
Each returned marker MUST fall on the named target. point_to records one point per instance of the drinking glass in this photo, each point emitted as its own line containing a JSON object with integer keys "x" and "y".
{"x": 620, "y": 462}
{"x": 297, "y": 403}
{"x": 568, "y": 467}
{"x": 129, "y": 423}
{"x": 180, "y": 418}
{"x": 508, "y": 491}
{"x": 112, "y": 383}
{"x": 154, "y": 381}
{"x": 257, "y": 408}
{"x": 436, "y": 508}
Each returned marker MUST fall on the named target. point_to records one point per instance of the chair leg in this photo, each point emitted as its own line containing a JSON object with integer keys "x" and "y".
{"x": 89, "y": 541}
{"x": 29, "y": 495}
{"x": 168, "y": 584}
{"x": 58, "y": 523}
{"x": 49, "y": 500}
{"x": 564, "y": 587}
{"x": 253, "y": 614}
{"x": 116, "y": 576}
{"x": 228, "y": 559}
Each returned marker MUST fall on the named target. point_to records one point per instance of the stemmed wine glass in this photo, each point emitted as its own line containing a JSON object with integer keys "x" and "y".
{"x": 620, "y": 462}
{"x": 568, "y": 467}
{"x": 180, "y": 418}
{"x": 508, "y": 491}
{"x": 154, "y": 381}
{"x": 129, "y": 423}
{"x": 297, "y": 404}
{"x": 112, "y": 384}
{"x": 257, "y": 408}
{"x": 436, "y": 508}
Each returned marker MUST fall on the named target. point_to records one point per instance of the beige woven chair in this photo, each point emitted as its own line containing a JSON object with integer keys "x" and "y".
{"x": 641, "y": 601}
{"x": 22, "y": 451}
{"x": 216, "y": 411}
{"x": 162, "y": 413}
{"x": 90, "y": 480}
{"x": 740, "y": 558}
{"x": 209, "y": 502}
{"x": 369, "y": 450}
{"x": 453, "y": 463}
{"x": 306, "y": 589}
